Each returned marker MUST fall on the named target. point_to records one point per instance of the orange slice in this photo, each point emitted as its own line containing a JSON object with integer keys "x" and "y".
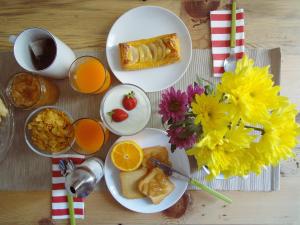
{"x": 127, "y": 155}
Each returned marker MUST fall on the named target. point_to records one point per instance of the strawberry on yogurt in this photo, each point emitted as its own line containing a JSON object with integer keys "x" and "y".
{"x": 138, "y": 117}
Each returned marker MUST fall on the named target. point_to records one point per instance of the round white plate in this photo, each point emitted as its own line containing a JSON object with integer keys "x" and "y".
{"x": 146, "y": 138}
{"x": 145, "y": 22}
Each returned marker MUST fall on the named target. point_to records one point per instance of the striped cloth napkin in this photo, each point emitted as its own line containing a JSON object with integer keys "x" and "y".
{"x": 60, "y": 208}
{"x": 220, "y": 25}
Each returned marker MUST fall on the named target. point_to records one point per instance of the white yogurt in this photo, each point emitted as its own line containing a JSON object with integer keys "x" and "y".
{"x": 137, "y": 118}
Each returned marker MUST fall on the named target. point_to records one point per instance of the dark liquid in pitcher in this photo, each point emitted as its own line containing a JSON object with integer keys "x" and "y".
{"x": 42, "y": 53}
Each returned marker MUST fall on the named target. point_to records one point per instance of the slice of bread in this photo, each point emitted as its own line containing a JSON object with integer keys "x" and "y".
{"x": 129, "y": 183}
{"x": 156, "y": 185}
{"x": 157, "y": 152}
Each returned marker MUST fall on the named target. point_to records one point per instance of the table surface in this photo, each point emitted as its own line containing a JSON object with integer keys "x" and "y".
{"x": 85, "y": 24}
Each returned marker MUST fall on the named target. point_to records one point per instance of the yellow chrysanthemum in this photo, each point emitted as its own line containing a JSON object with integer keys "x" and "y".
{"x": 279, "y": 137}
{"x": 210, "y": 112}
{"x": 246, "y": 96}
{"x": 225, "y": 151}
{"x": 251, "y": 90}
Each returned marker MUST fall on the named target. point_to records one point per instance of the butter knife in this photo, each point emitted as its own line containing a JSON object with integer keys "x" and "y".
{"x": 169, "y": 171}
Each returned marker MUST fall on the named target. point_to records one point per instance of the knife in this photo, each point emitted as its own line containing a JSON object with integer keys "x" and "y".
{"x": 169, "y": 171}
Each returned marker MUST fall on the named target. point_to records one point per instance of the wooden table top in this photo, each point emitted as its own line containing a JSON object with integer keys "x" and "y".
{"x": 85, "y": 24}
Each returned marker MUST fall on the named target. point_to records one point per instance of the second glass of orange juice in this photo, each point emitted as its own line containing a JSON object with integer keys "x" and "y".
{"x": 89, "y": 76}
{"x": 90, "y": 136}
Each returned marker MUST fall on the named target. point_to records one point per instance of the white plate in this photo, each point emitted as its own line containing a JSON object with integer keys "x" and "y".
{"x": 145, "y": 22}
{"x": 146, "y": 138}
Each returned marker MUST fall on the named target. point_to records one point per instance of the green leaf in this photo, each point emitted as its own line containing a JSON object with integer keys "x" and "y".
{"x": 200, "y": 80}
{"x": 173, "y": 148}
{"x": 208, "y": 89}
{"x": 170, "y": 121}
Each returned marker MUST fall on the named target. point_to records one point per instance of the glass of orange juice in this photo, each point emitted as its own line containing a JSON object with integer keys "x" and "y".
{"x": 90, "y": 136}
{"x": 89, "y": 76}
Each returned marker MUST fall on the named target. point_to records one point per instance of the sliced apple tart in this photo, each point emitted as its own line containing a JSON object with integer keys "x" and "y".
{"x": 151, "y": 52}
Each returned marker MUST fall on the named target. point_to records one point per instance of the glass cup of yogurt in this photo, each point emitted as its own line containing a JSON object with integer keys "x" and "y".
{"x": 137, "y": 117}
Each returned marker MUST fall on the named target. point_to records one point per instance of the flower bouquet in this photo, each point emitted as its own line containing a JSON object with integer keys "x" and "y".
{"x": 240, "y": 126}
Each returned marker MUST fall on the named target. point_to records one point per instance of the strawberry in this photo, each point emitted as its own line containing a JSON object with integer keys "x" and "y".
{"x": 129, "y": 101}
{"x": 118, "y": 115}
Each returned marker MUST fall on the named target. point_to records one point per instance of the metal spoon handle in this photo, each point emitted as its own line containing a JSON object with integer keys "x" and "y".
{"x": 233, "y": 24}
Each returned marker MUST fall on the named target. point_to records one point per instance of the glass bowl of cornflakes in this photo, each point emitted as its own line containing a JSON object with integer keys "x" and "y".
{"x": 7, "y": 124}
{"x": 48, "y": 131}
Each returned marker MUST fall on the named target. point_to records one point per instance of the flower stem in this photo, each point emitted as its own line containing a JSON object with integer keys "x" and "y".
{"x": 256, "y": 128}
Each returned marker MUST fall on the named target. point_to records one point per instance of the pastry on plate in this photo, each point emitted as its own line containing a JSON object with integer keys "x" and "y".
{"x": 158, "y": 152}
{"x": 156, "y": 186}
{"x": 151, "y": 52}
{"x": 129, "y": 183}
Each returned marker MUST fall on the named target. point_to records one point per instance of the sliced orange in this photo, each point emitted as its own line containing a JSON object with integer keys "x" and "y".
{"x": 127, "y": 155}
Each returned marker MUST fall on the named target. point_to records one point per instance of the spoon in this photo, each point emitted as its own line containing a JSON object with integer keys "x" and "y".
{"x": 169, "y": 171}
{"x": 66, "y": 166}
{"x": 230, "y": 62}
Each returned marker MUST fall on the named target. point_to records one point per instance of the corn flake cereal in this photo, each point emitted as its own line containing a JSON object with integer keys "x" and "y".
{"x": 51, "y": 130}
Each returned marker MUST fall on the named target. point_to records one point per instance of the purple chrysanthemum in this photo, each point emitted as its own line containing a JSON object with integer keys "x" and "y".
{"x": 192, "y": 90}
{"x": 173, "y": 105}
{"x": 179, "y": 138}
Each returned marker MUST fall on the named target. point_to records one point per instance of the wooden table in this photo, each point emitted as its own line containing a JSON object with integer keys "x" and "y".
{"x": 85, "y": 24}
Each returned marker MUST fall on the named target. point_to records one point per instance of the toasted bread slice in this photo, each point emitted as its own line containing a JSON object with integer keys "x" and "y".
{"x": 157, "y": 152}
{"x": 129, "y": 183}
{"x": 156, "y": 185}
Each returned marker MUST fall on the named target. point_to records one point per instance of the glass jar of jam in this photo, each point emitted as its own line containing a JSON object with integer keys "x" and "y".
{"x": 28, "y": 91}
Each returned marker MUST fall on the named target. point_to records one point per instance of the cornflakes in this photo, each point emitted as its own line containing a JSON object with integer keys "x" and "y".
{"x": 51, "y": 130}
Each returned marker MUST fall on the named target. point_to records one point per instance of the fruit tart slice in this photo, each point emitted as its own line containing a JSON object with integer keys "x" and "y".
{"x": 151, "y": 52}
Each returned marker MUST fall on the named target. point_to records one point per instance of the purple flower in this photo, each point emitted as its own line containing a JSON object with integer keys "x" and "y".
{"x": 181, "y": 137}
{"x": 173, "y": 105}
{"x": 192, "y": 90}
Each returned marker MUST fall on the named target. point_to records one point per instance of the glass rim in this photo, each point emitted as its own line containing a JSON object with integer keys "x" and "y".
{"x": 28, "y": 141}
{"x": 10, "y": 84}
{"x": 70, "y": 76}
{"x": 11, "y": 117}
{"x": 102, "y": 129}
{"x": 102, "y": 112}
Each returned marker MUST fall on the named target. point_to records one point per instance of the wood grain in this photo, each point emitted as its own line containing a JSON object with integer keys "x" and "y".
{"x": 85, "y": 24}
{"x": 195, "y": 14}
{"x": 248, "y": 208}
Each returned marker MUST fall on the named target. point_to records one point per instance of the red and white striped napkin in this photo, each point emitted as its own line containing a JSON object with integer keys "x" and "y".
{"x": 60, "y": 208}
{"x": 220, "y": 25}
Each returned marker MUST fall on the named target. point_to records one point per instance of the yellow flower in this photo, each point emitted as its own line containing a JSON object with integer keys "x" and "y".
{"x": 210, "y": 112}
{"x": 225, "y": 151}
{"x": 244, "y": 64}
{"x": 245, "y": 96}
{"x": 251, "y": 90}
{"x": 279, "y": 137}
{"x": 212, "y": 139}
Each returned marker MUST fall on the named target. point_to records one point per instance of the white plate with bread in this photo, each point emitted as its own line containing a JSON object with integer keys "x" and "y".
{"x": 150, "y": 47}
{"x": 128, "y": 187}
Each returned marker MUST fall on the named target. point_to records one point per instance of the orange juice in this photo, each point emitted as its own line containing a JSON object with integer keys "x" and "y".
{"x": 88, "y": 75}
{"x": 89, "y": 136}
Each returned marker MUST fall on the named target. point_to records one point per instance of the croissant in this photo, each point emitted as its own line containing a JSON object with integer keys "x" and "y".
{"x": 151, "y": 52}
